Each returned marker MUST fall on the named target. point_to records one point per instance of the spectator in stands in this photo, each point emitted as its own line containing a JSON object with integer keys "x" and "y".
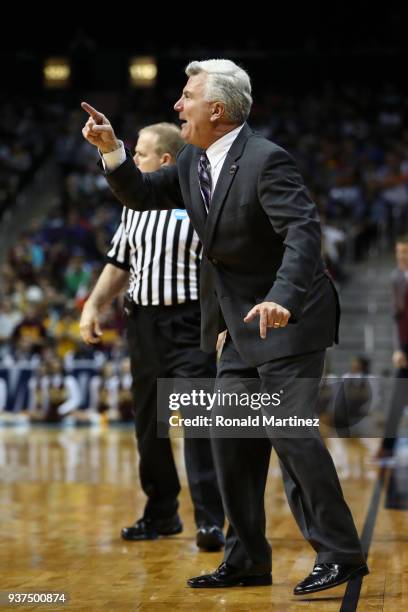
{"x": 333, "y": 248}
{"x": 10, "y": 317}
{"x": 77, "y": 275}
{"x": 357, "y": 395}
{"x": 53, "y": 394}
{"x": 104, "y": 389}
{"x": 391, "y": 182}
{"x": 400, "y": 355}
{"x": 66, "y": 332}
{"x": 31, "y": 329}
{"x": 54, "y": 300}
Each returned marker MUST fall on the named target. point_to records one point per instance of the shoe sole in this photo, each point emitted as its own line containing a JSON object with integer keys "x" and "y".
{"x": 138, "y": 538}
{"x": 155, "y": 536}
{"x": 248, "y": 581}
{"x": 358, "y": 573}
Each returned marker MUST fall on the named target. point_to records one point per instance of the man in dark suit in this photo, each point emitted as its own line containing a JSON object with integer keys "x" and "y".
{"x": 261, "y": 270}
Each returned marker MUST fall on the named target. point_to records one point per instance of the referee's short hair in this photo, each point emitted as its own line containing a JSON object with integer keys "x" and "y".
{"x": 402, "y": 239}
{"x": 168, "y": 138}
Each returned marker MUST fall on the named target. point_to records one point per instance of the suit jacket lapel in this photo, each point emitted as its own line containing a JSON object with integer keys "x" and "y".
{"x": 229, "y": 171}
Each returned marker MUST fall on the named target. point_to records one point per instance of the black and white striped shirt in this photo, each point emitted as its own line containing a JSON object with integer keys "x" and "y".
{"x": 162, "y": 252}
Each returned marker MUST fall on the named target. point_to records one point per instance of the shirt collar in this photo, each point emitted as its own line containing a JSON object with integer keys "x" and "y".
{"x": 219, "y": 149}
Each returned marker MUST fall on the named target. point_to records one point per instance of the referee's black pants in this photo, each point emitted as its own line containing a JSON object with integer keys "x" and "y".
{"x": 164, "y": 343}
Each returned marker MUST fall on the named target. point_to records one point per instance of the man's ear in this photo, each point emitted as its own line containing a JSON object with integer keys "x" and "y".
{"x": 166, "y": 159}
{"x": 217, "y": 111}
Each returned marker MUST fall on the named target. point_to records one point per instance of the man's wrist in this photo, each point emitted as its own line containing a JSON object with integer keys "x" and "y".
{"x": 111, "y": 149}
{"x": 115, "y": 158}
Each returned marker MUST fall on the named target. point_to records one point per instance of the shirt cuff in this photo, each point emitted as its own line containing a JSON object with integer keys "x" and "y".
{"x": 114, "y": 159}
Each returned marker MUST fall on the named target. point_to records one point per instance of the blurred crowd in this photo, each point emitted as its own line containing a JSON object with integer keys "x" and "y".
{"x": 351, "y": 145}
{"x": 27, "y": 136}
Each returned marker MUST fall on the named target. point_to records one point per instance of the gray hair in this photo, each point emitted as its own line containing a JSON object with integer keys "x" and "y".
{"x": 226, "y": 83}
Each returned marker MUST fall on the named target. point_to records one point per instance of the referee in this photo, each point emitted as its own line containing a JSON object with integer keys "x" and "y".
{"x": 156, "y": 254}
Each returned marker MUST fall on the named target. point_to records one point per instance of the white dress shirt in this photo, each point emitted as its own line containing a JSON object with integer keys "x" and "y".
{"x": 217, "y": 152}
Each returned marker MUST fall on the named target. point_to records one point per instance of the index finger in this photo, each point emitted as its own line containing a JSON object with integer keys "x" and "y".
{"x": 263, "y": 323}
{"x": 92, "y": 111}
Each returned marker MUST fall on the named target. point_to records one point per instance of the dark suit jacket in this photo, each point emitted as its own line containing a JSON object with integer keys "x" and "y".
{"x": 261, "y": 242}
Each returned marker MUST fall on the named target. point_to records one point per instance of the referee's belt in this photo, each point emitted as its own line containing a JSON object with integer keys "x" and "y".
{"x": 130, "y": 307}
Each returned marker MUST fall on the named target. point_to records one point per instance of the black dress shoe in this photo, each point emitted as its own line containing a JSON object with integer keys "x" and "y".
{"x": 210, "y": 538}
{"x": 328, "y": 575}
{"x": 151, "y": 529}
{"x": 228, "y": 576}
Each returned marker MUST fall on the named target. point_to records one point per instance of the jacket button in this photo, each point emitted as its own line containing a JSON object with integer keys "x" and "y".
{"x": 214, "y": 261}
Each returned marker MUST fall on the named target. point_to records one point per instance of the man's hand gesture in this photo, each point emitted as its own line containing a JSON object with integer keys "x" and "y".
{"x": 98, "y": 130}
{"x": 270, "y": 315}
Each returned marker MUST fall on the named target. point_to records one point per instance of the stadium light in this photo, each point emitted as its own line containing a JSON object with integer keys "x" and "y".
{"x": 56, "y": 72}
{"x": 143, "y": 71}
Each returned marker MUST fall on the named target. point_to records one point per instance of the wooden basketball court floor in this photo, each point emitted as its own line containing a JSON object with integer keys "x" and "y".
{"x": 66, "y": 493}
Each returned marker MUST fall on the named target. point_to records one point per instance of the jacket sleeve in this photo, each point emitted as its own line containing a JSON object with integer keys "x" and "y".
{"x": 294, "y": 218}
{"x": 144, "y": 191}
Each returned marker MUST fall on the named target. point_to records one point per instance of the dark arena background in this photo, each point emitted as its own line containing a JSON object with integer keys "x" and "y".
{"x": 329, "y": 86}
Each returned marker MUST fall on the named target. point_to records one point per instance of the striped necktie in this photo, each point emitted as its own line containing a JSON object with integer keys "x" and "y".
{"x": 204, "y": 177}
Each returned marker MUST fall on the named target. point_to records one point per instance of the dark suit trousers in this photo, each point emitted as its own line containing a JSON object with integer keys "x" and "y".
{"x": 164, "y": 343}
{"x": 311, "y": 482}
